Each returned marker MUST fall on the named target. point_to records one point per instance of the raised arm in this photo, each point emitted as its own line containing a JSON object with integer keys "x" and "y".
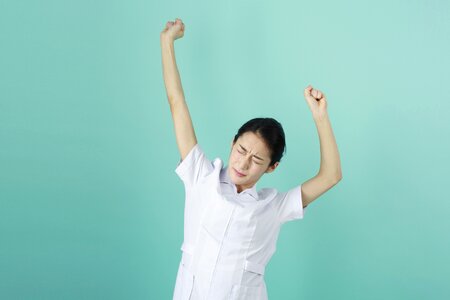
{"x": 330, "y": 166}
{"x": 184, "y": 130}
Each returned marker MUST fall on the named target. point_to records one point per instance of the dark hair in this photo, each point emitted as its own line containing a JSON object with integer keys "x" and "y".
{"x": 271, "y": 131}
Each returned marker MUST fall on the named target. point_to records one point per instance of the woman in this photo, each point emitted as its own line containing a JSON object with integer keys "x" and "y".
{"x": 230, "y": 228}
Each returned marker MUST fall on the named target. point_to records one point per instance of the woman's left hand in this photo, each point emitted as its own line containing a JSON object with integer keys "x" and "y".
{"x": 316, "y": 101}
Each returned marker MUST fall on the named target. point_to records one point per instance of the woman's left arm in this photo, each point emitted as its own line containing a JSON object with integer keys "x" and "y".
{"x": 330, "y": 172}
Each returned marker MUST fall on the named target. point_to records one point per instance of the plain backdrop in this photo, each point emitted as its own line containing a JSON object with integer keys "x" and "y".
{"x": 90, "y": 205}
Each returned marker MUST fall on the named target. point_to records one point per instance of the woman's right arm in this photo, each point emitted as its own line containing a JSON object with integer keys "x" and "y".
{"x": 184, "y": 130}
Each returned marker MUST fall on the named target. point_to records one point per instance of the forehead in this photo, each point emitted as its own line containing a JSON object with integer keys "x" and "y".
{"x": 252, "y": 142}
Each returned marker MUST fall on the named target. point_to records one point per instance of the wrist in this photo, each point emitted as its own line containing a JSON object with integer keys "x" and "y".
{"x": 320, "y": 117}
{"x": 166, "y": 40}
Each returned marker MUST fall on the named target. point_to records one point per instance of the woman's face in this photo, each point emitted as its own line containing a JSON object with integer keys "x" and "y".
{"x": 249, "y": 160}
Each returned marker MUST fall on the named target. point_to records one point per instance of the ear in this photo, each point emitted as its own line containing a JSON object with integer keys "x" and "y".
{"x": 272, "y": 168}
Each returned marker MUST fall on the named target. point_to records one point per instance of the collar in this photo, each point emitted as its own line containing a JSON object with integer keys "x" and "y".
{"x": 225, "y": 178}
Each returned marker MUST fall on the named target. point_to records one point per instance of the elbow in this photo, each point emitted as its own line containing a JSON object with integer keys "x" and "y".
{"x": 336, "y": 178}
{"x": 334, "y": 181}
{"x": 332, "y": 178}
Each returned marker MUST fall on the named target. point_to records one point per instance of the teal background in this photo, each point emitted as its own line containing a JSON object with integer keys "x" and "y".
{"x": 90, "y": 205}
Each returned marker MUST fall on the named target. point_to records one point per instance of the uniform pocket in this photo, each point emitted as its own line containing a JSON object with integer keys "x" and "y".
{"x": 252, "y": 285}
{"x": 243, "y": 292}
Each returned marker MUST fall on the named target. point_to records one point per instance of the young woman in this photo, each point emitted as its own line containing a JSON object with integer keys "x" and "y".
{"x": 230, "y": 227}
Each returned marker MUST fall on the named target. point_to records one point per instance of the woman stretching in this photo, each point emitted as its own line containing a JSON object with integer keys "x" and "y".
{"x": 230, "y": 227}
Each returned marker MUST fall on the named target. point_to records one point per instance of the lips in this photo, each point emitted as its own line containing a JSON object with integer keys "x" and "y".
{"x": 238, "y": 173}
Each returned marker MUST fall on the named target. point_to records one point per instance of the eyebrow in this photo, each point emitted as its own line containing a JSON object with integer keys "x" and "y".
{"x": 253, "y": 154}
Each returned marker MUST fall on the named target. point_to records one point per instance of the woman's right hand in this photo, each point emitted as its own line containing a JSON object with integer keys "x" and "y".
{"x": 173, "y": 30}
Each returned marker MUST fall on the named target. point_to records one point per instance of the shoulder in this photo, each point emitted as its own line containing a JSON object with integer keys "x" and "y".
{"x": 196, "y": 166}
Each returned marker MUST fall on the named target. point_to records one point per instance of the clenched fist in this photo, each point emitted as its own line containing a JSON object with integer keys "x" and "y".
{"x": 316, "y": 101}
{"x": 173, "y": 30}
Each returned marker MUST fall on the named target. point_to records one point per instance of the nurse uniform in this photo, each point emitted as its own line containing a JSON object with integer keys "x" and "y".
{"x": 229, "y": 237}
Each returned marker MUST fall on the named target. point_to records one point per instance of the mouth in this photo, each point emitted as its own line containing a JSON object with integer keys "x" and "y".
{"x": 238, "y": 173}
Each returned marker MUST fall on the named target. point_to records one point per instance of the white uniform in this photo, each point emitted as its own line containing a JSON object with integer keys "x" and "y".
{"x": 229, "y": 237}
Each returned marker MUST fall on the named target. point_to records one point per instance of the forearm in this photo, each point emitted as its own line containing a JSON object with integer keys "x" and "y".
{"x": 330, "y": 165}
{"x": 171, "y": 75}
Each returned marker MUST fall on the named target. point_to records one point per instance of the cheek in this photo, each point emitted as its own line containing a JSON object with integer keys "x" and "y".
{"x": 235, "y": 157}
{"x": 256, "y": 170}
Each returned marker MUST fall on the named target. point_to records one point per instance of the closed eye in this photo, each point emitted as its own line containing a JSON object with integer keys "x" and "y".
{"x": 243, "y": 151}
{"x": 253, "y": 160}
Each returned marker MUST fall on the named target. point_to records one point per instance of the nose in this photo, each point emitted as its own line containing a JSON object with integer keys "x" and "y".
{"x": 243, "y": 163}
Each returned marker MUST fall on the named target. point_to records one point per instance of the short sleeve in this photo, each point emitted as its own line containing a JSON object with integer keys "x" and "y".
{"x": 194, "y": 166}
{"x": 290, "y": 206}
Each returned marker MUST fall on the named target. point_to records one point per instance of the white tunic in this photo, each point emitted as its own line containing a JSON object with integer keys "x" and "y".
{"x": 229, "y": 237}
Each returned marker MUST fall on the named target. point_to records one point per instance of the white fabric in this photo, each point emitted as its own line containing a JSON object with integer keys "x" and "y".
{"x": 229, "y": 237}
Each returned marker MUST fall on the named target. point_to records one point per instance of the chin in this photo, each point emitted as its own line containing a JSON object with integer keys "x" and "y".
{"x": 235, "y": 179}
{"x": 239, "y": 181}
